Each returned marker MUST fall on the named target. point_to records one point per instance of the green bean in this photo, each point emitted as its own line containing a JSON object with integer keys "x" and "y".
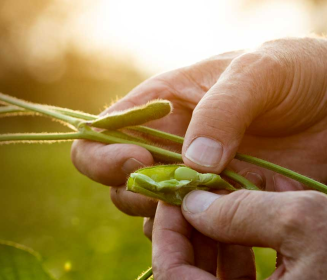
{"x": 153, "y": 110}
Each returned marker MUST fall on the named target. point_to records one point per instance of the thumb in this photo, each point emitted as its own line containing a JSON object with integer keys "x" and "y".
{"x": 222, "y": 116}
{"x": 246, "y": 218}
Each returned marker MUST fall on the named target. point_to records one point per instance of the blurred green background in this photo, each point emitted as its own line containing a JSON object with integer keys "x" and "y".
{"x": 84, "y": 55}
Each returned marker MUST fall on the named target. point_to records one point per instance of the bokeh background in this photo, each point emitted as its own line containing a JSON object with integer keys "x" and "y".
{"x": 84, "y": 55}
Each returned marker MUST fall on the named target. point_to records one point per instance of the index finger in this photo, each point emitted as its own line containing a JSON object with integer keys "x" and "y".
{"x": 172, "y": 250}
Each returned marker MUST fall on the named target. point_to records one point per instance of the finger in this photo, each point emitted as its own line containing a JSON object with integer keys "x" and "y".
{"x": 185, "y": 83}
{"x": 205, "y": 252}
{"x": 105, "y": 163}
{"x": 266, "y": 179}
{"x": 235, "y": 262}
{"x": 172, "y": 250}
{"x": 222, "y": 116}
{"x": 252, "y": 218}
{"x": 148, "y": 227}
{"x": 133, "y": 204}
{"x": 279, "y": 259}
{"x": 284, "y": 184}
{"x": 109, "y": 164}
{"x": 255, "y": 175}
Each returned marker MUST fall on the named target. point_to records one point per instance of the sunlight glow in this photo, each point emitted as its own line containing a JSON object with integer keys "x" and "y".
{"x": 168, "y": 34}
{"x": 161, "y": 35}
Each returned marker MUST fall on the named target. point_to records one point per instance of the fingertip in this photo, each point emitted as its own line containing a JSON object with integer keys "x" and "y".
{"x": 133, "y": 204}
{"x": 197, "y": 202}
{"x": 109, "y": 164}
{"x": 206, "y": 154}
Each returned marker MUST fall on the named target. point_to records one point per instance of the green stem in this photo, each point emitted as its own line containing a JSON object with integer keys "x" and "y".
{"x": 284, "y": 171}
{"x": 11, "y": 110}
{"x": 239, "y": 179}
{"x": 159, "y": 153}
{"x": 39, "y": 109}
{"x": 73, "y": 113}
{"x": 22, "y": 137}
{"x": 6, "y": 110}
{"x": 259, "y": 162}
{"x": 146, "y": 274}
{"x": 158, "y": 133}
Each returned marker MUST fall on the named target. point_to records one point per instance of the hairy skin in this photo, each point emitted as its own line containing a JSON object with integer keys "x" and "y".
{"x": 269, "y": 103}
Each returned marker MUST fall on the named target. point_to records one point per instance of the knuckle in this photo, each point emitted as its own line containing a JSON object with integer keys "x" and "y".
{"x": 231, "y": 215}
{"x": 302, "y": 212}
{"x": 205, "y": 117}
{"x": 163, "y": 268}
{"x": 257, "y": 62}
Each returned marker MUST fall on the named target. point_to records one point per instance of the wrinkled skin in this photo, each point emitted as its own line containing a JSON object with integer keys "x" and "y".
{"x": 269, "y": 103}
{"x": 293, "y": 223}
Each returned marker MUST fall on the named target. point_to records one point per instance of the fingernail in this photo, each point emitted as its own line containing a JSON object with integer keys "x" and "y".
{"x": 255, "y": 178}
{"x": 131, "y": 165}
{"x": 198, "y": 201}
{"x": 205, "y": 152}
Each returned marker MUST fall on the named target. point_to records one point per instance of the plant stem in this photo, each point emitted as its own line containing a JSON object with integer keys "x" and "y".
{"x": 284, "y": 171}
{"x": 4, "y": 110}
{"x": 27, "y": 137}
{"x": 39, "y": 109}
{"x": 239, "y": 179}
{"x": 73, "y": 113}
{"x": 162, "y": 154}
{"x": 8, "y": 110}
{"x": 70, "y": 116}
{"x": 158, "y": 133}
{"x": 146, "y": 274}
{"x": 256, "y": 161}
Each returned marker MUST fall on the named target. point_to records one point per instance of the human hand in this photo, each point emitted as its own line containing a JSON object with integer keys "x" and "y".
{"x": 270, "y": 103}
{"x": 292, "y": 223}
{"x": 111, "y": 164}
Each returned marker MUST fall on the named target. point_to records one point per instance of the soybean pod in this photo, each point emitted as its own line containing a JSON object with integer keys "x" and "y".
{"x": 153, "y": 110}
{"x": 171, "y": 183}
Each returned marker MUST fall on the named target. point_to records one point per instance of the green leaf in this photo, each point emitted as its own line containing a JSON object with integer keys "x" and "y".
{"x": 20, "y": 263}
{"x": 138, "y": 115}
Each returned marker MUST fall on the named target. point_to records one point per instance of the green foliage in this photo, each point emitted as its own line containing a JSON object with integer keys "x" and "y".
{"x": 20, "y": 263}
{"x": 47, "y": 205}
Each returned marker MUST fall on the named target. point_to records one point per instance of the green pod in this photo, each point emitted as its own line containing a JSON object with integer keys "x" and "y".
{"x": 138, "y": 115}
{"x": 171, "y": 183}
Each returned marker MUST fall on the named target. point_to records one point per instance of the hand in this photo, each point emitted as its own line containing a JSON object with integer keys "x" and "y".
{"x": 270, "y": 103}
{"x": 111, "y": 164}
{"x": 292, "y": 223}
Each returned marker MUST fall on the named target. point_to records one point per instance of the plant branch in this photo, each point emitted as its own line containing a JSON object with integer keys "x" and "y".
{"x": 145, "y": 275}
{"x": 70, "y": 116}
{"x": 29, "y": 137}
{"x": 159, "y": 153}
{"x": 13, "y": 110}
{"x": 239, "y": 179}
{"x": 158, "y": 133}
{"x": 284, "y": 171}
{"x": 256, "y": 161}
{"x": 39, "y": 109}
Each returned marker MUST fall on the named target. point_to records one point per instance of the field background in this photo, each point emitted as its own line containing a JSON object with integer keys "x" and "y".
{"x": 61, "y": 54}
